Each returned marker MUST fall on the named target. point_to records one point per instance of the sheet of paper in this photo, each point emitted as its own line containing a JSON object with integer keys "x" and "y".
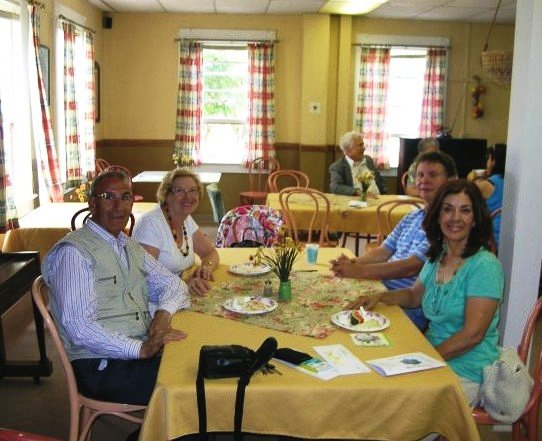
{"x": 341, "y": 359}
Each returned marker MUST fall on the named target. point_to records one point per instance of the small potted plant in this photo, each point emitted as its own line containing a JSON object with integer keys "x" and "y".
{"x": 281, "y": 259}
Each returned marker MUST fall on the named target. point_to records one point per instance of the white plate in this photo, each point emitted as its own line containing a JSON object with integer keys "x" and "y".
{"x": 249, "y": 269}
{"x": 373, "y": 321}
{"x": 250, "y": 305}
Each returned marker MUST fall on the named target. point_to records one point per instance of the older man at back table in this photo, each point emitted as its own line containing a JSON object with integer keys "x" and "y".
{"x": 343, "y": 173}
{"x": 399, "y": 259}
{"x": 101, "y": 282}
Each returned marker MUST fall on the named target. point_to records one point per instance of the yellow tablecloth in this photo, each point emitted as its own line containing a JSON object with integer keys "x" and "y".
{"x": 342, "y": 217}
{"x": 364, "y": 406}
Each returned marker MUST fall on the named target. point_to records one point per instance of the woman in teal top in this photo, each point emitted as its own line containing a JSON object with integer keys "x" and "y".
{"x": 460, "y": 285}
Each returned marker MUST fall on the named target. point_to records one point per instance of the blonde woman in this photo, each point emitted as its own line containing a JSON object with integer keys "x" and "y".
{"x": 170, "y": 234}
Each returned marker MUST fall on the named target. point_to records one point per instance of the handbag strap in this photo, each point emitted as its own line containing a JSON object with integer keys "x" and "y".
{"x": 263, "y": 355}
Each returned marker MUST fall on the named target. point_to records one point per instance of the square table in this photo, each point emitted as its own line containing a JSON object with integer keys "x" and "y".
{"x": 364, "y": 406}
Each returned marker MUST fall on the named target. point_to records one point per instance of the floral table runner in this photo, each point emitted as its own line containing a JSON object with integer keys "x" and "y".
{"x": 315, "y": 298}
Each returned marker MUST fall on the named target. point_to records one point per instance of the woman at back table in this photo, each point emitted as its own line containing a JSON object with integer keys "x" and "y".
{"x": 491, "y": 183}
{"x": 170, "y": 234}
{"x": 459, "y": 287}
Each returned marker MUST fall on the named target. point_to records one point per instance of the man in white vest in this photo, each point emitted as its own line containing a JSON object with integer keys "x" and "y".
{"x": 101, "y": 284}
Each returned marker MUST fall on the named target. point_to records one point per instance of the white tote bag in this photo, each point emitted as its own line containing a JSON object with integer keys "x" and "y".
{"x": 506, "y": 388}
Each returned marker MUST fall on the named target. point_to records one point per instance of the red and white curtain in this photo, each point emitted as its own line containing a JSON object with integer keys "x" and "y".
{"x": 8, "y": 211}
{"x": 71, "y": 130}
{"x": 41, "y": 121}
{"x": 432, "y": 119}
{"x": 186, "y": 150}
{"x": 261, "y": 122}
{"x": 371, "y": 100}
{"x": 79, "y": 107}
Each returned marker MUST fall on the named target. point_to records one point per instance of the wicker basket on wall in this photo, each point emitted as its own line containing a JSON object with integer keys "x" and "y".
{"x": 497, "y": 65}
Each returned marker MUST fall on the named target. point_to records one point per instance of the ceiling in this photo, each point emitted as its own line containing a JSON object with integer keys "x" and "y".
{"x": 437, "y": 10}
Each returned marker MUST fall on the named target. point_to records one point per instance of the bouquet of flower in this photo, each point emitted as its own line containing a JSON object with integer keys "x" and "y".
{"x": 365, "y": 179}
{"x": 82, "y": 191}
{"x": 281, "y": 258}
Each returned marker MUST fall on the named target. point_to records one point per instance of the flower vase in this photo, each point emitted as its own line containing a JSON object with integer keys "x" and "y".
{"x": 285, "y": 291}
{"x": 363, "y": 195}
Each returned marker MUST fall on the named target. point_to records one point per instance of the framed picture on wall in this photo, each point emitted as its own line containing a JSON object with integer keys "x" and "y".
{"x": 44, "y": 64}
{"x": 96, "y": 96}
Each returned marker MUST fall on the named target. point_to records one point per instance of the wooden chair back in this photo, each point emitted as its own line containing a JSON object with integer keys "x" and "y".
{"x": 121, "y": 168}
{"x": 83, "y": 410}
{"x": 319, "y": 221}
{"x": 526, "y": 427}
{"x": 257, "y": 181}
{"x": 101, "y": 165}
{"x": 298, "y": 178}
{"x": 385, "y": 213}
{"x": 82, "y": 215}
{"x": 257, "y": 176}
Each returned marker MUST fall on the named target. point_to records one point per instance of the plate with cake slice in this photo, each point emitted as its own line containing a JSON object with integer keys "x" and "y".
{"x": 360, "y": 320}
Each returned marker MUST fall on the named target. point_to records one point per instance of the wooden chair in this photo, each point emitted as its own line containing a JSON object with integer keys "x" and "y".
{"x": 404, "y": 181}
{"x": 298, "y": 177}
{"x": 257, "y": 169}
{"x": 101, "y": 165}
{"x": 526, "y": 427}
{"x": 83, "y": 410}
{"x": 384, "y": 216}
{"x": 78, "y": 221}
{"x": 319, "y": 221}
{"x": 121, "y": 168}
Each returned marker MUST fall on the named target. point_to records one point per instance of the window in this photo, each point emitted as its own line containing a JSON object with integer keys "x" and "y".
{"x": 400, "y": 91}
{"x": 404, "y": 99}
{"x": 16, "y": 108}
{"x": 75, "y": 126}
{"x": 225, "y": 104}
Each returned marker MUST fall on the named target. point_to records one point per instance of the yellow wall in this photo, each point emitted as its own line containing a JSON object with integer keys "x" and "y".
{"x": 315, "y": 63}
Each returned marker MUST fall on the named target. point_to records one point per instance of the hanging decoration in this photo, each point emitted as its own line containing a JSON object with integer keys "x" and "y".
{"x": 497, "y": 64}
{"x": 478, "y": 90}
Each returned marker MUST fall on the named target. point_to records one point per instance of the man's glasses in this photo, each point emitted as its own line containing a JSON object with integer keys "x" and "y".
{"x": 193, "y": 191}
{"x": 112, "y": 197}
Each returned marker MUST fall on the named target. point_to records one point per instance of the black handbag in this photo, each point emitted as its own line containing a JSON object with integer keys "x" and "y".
{"x": 230, "y": 361}
{"x": 225, "y": 361}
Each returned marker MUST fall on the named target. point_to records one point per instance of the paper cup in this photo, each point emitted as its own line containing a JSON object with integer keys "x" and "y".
{"x": 312, "y": 253}
{"x": 480, "y": 172}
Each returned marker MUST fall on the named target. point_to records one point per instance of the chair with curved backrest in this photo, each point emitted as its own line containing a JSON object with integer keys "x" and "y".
{"x": 298, "y": 178}
{"x": 404, "y": 180}
{"x": 83, "y": 410}
{"x": 319, "y": 215}
{"x": 121, "y": 168}
{"x": 526, "y": 427}
{"x": 257, "y": 181}
{"x": 217, "y": 202}
{"x": 387, "y": 215}
{"x": 256, "y": 222}
{"x": 84, "y": 214}
{"x": 101, "y": 165}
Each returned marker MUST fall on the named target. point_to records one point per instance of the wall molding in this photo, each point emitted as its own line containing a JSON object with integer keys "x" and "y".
{"x": 280, "y": 146}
